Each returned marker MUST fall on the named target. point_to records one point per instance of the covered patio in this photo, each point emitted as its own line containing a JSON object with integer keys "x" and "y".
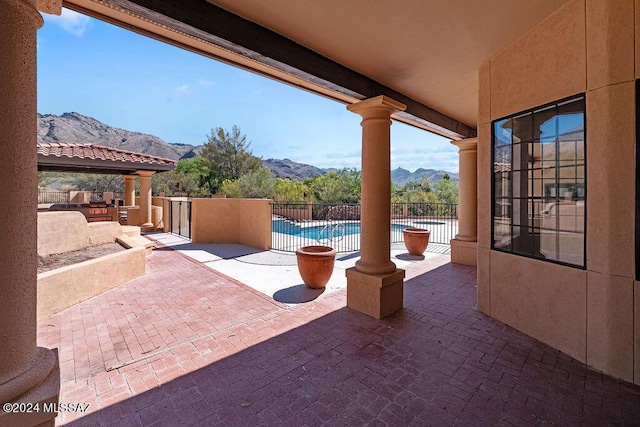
{"x": 188, "y": 345}
{"x": 460, "y": 70}
{"x": 91, "y": 158}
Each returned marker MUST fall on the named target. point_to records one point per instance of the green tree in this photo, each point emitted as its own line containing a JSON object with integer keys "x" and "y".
{"x": 290, "y": 191}
{"x": 343, "y": 186}
{"x": 413, "y": 192}
{"x": 98, "y": 183}
{"x": 420, "y": 196}
{"x": 227, "y": 156}
{"x": 447, "y": 190}
{"x": 254, "y": 184}
{"x": 422, "y": 185}
{"x": 185, "y": 178}
{"x": 45, "y": 179}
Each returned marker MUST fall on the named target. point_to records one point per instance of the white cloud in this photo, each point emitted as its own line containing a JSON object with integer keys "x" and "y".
{"x": 70, "y": 21}
{"x": 180, "y": 92}
{"x": 206, "y": 83}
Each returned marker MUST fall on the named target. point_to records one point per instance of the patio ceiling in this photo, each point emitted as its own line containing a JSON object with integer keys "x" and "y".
{"x": 425, "y": 54}
{"x": 89, "y": 158}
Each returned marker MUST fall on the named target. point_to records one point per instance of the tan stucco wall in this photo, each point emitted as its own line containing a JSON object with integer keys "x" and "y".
{"x": 65, "y": 231}
{"x": 60, "y": 232}
{"x": 298, "y": 213}
{"x": 63, "y": 287}
{"x": 165, "y": 202}
{"x": 79, "y": 196}
{"x": 587, "y": 46}
{"x": 103, "y": 232}
{"x": 244, "y": 221}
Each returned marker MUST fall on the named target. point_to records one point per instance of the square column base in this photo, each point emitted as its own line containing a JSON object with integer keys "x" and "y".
{"x": 47, "y": 392}
{"x": 463, "y": 252}
{"x": 376, "y": 295}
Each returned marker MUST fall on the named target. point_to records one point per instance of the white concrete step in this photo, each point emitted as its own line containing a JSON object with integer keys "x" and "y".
{"x": 134, "y": 241}
{"x": 131, "y": 230}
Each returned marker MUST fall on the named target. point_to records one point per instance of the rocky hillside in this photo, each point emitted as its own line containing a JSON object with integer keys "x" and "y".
{"x": 74, "y": 127}
{"x": 402, "y": 176}
{"x": 289, "y": 169}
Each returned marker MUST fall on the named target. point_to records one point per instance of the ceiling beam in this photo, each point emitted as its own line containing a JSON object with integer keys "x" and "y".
{"x": 211, "y": 23}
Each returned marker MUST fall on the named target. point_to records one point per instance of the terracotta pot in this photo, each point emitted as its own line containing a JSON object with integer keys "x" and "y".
{"x": 315, "y": 264}
{"x": 416, "y": 240}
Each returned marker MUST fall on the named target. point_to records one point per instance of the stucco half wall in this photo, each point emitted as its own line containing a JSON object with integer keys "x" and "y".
{"x": 587, "y": 46}
{"x": 244, "y": 221}
{"x": 65, "y": 231}
{"x": 66, "y": 286}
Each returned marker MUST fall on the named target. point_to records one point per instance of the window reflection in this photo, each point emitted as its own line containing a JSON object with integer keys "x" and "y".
{"x": 539, "y": 186}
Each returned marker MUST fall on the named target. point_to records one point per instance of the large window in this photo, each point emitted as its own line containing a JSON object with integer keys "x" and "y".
{"x": 539, "y": 188}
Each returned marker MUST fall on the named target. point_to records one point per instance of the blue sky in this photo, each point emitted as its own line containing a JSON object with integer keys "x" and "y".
{"x": 132, "y": 82}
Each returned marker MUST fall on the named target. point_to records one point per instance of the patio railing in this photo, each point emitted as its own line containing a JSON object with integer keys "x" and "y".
{"x": 53, "y": 197}
{"x": 299, "y": 224}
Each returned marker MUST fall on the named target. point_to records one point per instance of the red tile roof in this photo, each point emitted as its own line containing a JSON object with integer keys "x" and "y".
{"x": 90, "y": 151}
{"x": 90, "y": 158}
{"x": 502, "y": 167}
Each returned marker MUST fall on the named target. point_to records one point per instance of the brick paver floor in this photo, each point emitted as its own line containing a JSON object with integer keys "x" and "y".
{"x": 185, "y": 345}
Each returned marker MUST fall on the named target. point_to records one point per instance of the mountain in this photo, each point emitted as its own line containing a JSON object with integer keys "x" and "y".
{"x": 402, "y": 176}
{"x": 289, "y": 169}
{"x": 74, "y": 127}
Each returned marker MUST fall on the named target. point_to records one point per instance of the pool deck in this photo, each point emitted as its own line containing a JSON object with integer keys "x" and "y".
{"x": 188, "y": 345}
{"x": 275, "y": 273}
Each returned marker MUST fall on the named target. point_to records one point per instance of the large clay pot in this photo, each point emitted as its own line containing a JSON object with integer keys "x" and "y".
{"x": 416, "y": 240}
{"x": 315, "y": 264}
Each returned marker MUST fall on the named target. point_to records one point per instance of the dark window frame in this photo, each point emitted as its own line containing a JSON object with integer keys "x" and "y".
{"x": 637, "y": 219}
{"x": 494, "y": 199}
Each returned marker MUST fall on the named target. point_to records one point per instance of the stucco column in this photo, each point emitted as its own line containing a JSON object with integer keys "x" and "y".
{"x": 374, "y": 286}
{"x": 464, "y": 245}
{"x": 27, "y": 373}
{"x": 129, "y": 190}
{"x": 145, "y": 198}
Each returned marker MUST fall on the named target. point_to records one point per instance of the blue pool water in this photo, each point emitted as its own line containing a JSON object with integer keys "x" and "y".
{"x": 322, "y": 231}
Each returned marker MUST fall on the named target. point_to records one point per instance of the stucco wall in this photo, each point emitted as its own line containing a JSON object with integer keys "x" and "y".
{"x": 586, "y": 46}
{"x": 64, "y": 231}
{"x": 244, "y": 221}
{"x": 63, "y": 287}
{"x": 298, "y": 213}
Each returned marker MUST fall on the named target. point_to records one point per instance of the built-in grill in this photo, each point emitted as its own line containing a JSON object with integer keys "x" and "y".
{"x": 95, "y": 211}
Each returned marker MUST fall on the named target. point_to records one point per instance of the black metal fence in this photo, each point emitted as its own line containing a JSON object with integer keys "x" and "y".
{"x": 180, "y": 218}
{"x": 53, "y": 197}
{"x": 441, "y": 219}
{"x": 299, "y": 224}
{"x": 63, "y": 196}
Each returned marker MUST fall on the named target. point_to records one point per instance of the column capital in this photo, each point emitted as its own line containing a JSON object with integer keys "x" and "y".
{"x": 52, "y": 7}
{"x": 466, "y": 144}
{"x": 380, "y": 106}
{"x": 28, "y": 9}
{"x": 145, "y": 173}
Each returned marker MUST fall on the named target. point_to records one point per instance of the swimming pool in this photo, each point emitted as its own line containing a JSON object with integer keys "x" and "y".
{"x": 322, "y": 232}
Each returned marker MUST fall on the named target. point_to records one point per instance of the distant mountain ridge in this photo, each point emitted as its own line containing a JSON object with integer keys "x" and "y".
{"x": 293, "y": 170}
{"x": 402, "y": 176}
{"x": 75, "y": 127}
